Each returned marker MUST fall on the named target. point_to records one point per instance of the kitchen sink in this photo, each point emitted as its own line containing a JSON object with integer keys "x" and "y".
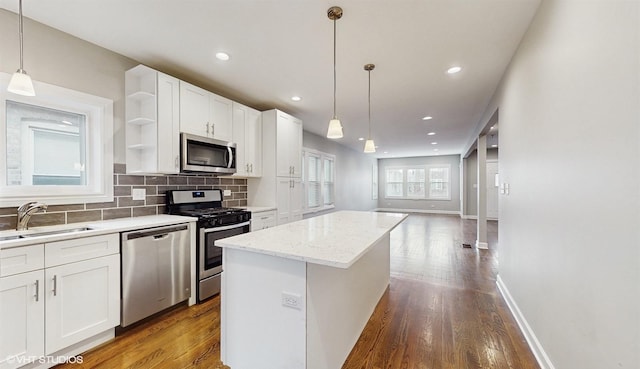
{"x": 44, "y": 233}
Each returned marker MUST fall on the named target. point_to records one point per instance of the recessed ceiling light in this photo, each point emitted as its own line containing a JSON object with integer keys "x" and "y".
{"x": 360, "y": 138}
{"x": 492, "y": 127}
{"x": 431, "y": 134}
{"x": 296, "y": 98}
{"x": 454, "y": 70}
{"x": 427, "y": 117}
{"x": 222, "y": 56}
{"x": 434, "y": 143}
{"x": 494, "y": 145}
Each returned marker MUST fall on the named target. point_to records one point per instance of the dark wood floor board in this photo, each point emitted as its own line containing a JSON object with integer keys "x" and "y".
{"x": 442, "y": 310}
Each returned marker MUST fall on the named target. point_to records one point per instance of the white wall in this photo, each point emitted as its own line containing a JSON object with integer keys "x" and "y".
{"x": 63, "y": 60}
{"x": 353, "y": 173}
{"x": 471, "y": 179}
{"x": 446, "y": 206}
{"x": 569, "y": 148}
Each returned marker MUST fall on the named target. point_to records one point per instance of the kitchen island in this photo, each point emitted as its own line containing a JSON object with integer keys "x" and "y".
{"x": 297, "y": 296}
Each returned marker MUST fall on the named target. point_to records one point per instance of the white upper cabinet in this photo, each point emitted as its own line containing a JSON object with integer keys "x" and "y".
{"x": 289, "y": 145}
{"x": 194, "y": 110}
{"x": 247, "y": 135}
{"x": 221, "y": 118}
{"x": 203, "y": 113}
{"x": 152, "y": 121}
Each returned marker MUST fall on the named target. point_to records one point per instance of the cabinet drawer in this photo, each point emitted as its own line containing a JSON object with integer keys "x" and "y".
{"x": 262, "y": 220}
{"x": 21, "y": 259}
{"x": 79, "y": 249}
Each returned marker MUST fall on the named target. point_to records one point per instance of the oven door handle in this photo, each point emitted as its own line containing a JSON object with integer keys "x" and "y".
{"x": 224, "y": 228}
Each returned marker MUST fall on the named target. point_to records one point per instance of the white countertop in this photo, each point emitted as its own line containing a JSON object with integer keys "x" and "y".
{"x": 96, "y": 228}
{"x": 337, "y": 239}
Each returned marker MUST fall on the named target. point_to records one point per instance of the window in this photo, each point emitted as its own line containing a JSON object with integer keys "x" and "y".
{"x": 318, "y": 180}
{"x": 439, "y": 183}
{"x": 313, "y": 181}
{"x": 328, "y": 180}
{"x": 57, "y": 147}
{"x": 429, "y": 182}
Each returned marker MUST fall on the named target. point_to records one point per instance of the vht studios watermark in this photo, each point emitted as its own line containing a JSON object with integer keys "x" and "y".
{"x": 23, "y": 360}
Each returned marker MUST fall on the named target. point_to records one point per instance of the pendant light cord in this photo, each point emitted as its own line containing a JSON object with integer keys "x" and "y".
{"x": 334, "y": 69}
{"x": 21, "y": 36}
{"x": 369, "y": 104}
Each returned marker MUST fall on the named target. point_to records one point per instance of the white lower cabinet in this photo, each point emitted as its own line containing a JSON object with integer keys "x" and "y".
{"x": 47, "y": 309}
{"x": 21, "y": 318}
{"x": 263, "y": 219}
{"x": 83, "y": 299}
{"x": 289, "y": 196}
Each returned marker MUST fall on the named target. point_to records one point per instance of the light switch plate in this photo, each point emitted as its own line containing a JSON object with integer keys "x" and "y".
{"x": 138, "y": 193}
{"x": 227, "y": 192}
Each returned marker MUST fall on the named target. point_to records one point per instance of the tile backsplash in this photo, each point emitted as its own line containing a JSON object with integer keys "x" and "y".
{"x": 123, "y": 205}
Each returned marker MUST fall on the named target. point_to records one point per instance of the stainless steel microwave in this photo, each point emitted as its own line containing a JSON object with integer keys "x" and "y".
{"x": 203, "y": 154}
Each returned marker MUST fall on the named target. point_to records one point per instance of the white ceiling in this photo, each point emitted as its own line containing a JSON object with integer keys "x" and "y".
{"x": 283, "y": 48}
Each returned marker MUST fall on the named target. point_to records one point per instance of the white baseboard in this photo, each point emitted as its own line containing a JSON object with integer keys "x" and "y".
{"x": 423, "y": 211}
{"x": 529, "y": 335}
{"x": 482, "y": 245}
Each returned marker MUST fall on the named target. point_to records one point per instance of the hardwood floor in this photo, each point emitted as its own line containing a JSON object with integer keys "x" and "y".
{"x": 441, "y": 311}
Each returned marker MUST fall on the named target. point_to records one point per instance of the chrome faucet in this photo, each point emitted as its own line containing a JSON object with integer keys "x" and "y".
{"x": 25, "y": 211}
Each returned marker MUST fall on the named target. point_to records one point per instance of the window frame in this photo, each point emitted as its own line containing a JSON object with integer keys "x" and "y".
{"x": 321, "y": 156}
{"x": 99, "y": 141}
{"x": 427, "y": 182}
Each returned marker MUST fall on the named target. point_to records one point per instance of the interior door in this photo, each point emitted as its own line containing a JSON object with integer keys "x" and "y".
{"x": 492, "y": 189}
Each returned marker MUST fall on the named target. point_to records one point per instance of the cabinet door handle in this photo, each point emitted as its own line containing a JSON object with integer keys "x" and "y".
{"x": 213, "y": 129}
{"x": 207, "y": 128}
{"x": 55, "y": 285}
{"x": 251, "y": 168}
{"x": 37, "y": 296}
{"x": 177, "y": 161}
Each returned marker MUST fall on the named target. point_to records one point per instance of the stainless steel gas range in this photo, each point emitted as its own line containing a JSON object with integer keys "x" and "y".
{"x": 214, "y": 223}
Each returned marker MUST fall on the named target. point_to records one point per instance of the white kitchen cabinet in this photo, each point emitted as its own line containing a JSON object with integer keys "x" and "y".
{"x": 247, "y": 135}
{"x": 289, "y": 145}
{"x": 194, "y": 110}
{"x": 280, "y": 185}
{"x": 21, "y": 318}
{"x": 263, "y": 220}
{"x": 56, "y": 295}
{"x": 204, "y": 113}
{"x": 289, "y": 199}
{"x": 152, "y": 131}
{"x": 83, "y": 300}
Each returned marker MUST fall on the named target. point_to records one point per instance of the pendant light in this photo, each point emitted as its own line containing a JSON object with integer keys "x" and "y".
{"x": 20, "y": 81}
{"x": 335, "y": 127}
{"x": 369, "y": 146}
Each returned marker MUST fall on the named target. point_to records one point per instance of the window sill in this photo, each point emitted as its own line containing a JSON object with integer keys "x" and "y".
{"x": 318, "y": 209}
{"x": 418, "y": 198}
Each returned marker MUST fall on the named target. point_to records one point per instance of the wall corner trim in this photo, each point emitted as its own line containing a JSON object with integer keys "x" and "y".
{"x": 538, "y": 351}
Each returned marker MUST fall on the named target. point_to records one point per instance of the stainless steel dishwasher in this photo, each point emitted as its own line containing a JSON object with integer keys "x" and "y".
{"x": 156, "y": 270}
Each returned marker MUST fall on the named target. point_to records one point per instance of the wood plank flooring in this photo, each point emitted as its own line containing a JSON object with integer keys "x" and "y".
{"x": 441, "y": 311}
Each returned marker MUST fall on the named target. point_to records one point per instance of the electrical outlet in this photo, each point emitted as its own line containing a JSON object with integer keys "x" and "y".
{"x": 227, "y": 192}
{"x": 138, "y": 193}
{"x": 292, "y": 300}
